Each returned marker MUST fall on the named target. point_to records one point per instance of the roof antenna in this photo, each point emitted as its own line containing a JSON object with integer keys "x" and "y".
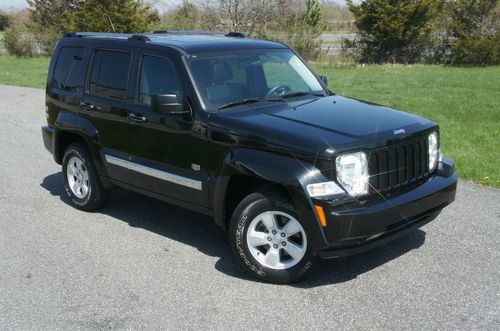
{"x": 109, "y": 18}
{"x": 110, "y": 22}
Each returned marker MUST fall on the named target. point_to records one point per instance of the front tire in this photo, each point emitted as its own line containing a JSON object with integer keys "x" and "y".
{"x": 268, "y": 238}
{"x": 81, "y": 180}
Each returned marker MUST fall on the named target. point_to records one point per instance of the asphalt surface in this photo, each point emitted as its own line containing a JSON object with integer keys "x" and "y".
{"x": 143, "y": 264}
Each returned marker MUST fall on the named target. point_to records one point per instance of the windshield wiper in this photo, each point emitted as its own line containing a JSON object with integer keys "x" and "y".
{"x": 244, "y": 102}
{"x": 300, "y": 94}
{"x": 279, "y": 98}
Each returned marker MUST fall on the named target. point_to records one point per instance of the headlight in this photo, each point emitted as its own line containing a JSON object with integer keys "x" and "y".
{"x": 323, "y": 189}
{"x": 433, "y": 150}
{"x": 352, "y": 173}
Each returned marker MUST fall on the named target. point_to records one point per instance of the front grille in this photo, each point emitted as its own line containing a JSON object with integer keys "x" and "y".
{"x": 398, "y": 165}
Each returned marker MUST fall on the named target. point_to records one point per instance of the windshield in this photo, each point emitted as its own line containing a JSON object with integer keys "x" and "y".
{"x": 227, "y": 78}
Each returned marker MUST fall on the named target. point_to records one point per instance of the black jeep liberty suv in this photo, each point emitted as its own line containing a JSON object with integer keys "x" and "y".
{"x": 244, "y": 131}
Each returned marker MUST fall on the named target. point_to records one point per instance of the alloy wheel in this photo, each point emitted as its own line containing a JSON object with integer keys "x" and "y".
{"x": 78, "y": 177}
{"x": 276, "y": 239}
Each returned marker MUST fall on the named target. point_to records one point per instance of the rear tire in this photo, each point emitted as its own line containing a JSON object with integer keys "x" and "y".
{"x": 269, "y": 240}
{"x": 81, "y": 180}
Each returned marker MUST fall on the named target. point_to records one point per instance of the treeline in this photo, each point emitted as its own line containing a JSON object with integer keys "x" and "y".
{"x": 452, "y": 32}
{"x": 35, "y": 30}
{"x": 457, "y": 32}
{"x": 297, "y": 22}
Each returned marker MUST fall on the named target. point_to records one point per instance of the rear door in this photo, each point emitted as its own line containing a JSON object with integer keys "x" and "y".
{"x": 107, "y": 101}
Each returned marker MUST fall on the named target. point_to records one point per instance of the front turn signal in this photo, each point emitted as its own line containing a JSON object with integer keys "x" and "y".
{"x": 321, "y": 214}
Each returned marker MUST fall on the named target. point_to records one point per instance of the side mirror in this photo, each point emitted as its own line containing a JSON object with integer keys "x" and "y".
{"x": 167, "y": 104}
{"x": 324, "y": 79}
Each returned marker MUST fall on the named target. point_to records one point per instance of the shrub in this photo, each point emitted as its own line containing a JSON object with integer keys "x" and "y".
{"x": 4, "y": 21}
{"x": 476, "y": 52}
{"x": 474, "y": 31}
{"x": 17, "y": 44}
{"x": 392, "y": 31}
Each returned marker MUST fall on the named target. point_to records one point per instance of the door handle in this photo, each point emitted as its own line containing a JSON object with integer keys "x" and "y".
{"x": 88, "y": 106}
{"x": 137, "y": 118}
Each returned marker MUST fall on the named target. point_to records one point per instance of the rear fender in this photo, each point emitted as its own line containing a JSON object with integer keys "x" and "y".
{"x": 71, "y": 123}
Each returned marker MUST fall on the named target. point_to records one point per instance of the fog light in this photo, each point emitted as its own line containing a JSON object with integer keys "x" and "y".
{"x": 323, "y": 189}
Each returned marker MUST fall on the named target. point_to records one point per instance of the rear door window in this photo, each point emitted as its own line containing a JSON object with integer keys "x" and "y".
{"x": 68, "y": 72}
{"x": 110, "y": 74}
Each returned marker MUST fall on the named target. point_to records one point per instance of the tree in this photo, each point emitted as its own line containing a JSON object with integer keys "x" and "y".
{"x": 336, "y": 17}
{"x": 304, "y": 29}
{"x": 126, "y": 16}
{"x": 474, "y": 31}
{"x": 249, "y": 16}
{"x": 392, "y": 30}
{"x": 49, "y": 19}
{"x": 312, "y": 26}
{"x": 186, "y": 16}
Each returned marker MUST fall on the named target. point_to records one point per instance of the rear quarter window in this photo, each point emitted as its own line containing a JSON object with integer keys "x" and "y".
{"x": 110, "y": 74}
{"x": 68, "y": 72}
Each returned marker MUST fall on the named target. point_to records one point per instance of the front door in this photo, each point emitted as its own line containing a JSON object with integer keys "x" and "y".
{"x": 165, "y": 150}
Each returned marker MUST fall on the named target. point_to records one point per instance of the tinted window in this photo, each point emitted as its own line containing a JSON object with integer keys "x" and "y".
{"x": 158, "y": 76}
{"x": 68, "y": 72}
{"x": 110, "y": 72}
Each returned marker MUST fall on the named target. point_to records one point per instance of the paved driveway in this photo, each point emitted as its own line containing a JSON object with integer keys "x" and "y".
{"x": 140, "y": 263}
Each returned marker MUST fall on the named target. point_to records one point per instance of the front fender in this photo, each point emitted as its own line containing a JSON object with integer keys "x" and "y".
{"x": 288, "y": 172}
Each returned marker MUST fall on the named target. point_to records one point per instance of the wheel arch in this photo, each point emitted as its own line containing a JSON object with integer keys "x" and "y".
{"x": 70, "y": 128}
{"x": 245, "y": 170}
{"x": 63, "y": 140}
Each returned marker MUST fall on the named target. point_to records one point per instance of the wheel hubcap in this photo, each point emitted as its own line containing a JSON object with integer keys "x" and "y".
{"x": 78, "y": 177}
{"x": 277, "y": 240}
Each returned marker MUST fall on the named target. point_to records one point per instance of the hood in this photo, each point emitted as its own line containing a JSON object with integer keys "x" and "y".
{"x": 348, "y": 117}
{"x": 315, "y": 126}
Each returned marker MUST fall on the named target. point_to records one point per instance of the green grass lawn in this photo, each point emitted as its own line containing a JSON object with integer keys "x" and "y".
{"x": 30, "y": 72}
{"x": 464, "y": 101}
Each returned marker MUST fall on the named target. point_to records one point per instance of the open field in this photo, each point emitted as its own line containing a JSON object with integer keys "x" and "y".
{"x": 464, "y": 101}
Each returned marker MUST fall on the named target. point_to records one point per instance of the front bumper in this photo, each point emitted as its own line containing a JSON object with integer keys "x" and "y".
{"x": 354, "y": 227}
{"x": 47, "y": 133}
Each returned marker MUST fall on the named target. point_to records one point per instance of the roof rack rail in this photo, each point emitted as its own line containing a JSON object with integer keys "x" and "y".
{"x": 191, "y": 32}
{"x": 201, "y": 32}
{"x": 93, "y": 34}
{"x": 111, "y": 35}
{"x": 70, "y": 35}
{"x": 139, "y": 37}
{"x": 235, "y": 34}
